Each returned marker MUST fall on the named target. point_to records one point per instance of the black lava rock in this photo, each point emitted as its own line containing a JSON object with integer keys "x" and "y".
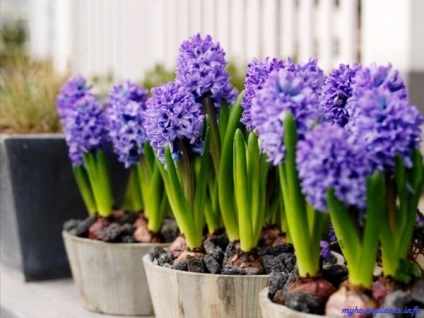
{"x": 276, "y": 281}
{"x": 111, "y": 233}
{"x": 212, "y": 265}
{"x": 195, "y": 264}
{"x": 127, "y": 217}
{"x": 229, "y": 251}
{"x": 169, "y": 230}
{"x": 70, "y": 224}
{"x": 155, "y": 252}
{"x": 272, "y": 263}
{"x": 276, "y": 250}
{"x": 335, "y": 274}
{"x": 81, "y": 229}
{"x": 303, "y": 302}
{"x": 165, "y": 258}
{"x": 180, "y": 266}
{"x": 230, "y": 270}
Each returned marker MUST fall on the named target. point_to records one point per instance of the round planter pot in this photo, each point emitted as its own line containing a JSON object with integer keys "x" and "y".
{"x": 272, "y": 310}
{"x": 110, "y": 277}
{"x": 184, "y": 294}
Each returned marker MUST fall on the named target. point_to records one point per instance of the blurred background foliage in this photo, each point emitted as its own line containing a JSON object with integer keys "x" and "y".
{"x": 28, "y": 88}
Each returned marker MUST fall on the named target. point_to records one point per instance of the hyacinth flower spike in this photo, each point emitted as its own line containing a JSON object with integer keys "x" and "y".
{"x": 283, "y": 110}
{"x": 389, "y": 125}
{"x": 201, "y": 69}
{"x": 336, "y": 176}
{"x": 84, "y": 124}
{"x": 174, "y": 126}
{"x": 145, "y": 191}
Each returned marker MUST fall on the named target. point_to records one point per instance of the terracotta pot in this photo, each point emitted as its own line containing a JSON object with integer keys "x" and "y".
{"x": 110, "y": 277}
{"x": 272, "y": 310}
{"x": 184, "y": 294}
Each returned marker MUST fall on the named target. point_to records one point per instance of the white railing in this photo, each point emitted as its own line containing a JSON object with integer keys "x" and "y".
{"x": 129, "y": 37}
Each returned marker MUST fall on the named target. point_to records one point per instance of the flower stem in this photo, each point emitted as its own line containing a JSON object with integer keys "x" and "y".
{"x": 83, "y": 183}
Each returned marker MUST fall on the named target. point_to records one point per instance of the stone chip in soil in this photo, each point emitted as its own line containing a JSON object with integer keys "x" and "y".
{"x": 111, "y": 233}
{"x": 212, "y": 264}
{"x": 80, "y": 227}
{"x": 303, "y": 302}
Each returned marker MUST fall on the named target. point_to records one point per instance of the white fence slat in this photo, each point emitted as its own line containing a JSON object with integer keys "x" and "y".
{"x": 305, "y": 30}
{"x": 208, "y": 18}
{"x": 62, "y": 35}
{"x": 269, "y": 28}
{"x": 325, "y": 35}
{"x": 171, "y": 45}
{"x": 195, "y": 16}
{"x": 349, "y": 25}
{"x": 237, "y": 32}
{"x": 253, "y": 29}
{"x": 223, "y": 24}
{"x": 288, "y": 28}
{"x": 183, "y": 20}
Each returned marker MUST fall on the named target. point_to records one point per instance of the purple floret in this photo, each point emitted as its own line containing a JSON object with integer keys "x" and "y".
{"x": 126, "y": 106}
{"x": 257, "y": 73}
{"x": 85, "y": 129}
{"x": 172, "y": 114}
{"x": 330, "y": 157}
{"x": 201, "y": 69}
{"x": 388, "y": 124}
{"x": 282, "y": 92}
{"x": 128, "y": 91}
{"x": 336, "y": 92}
{"x": 73, "y": 90}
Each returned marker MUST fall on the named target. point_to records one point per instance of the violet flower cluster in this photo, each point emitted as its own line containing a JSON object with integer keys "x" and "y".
{"x": 330, "y": 157}
{"x": 125, "y": 121}
{"x": 128, "y": 91}
{"x": 201, "y": 69}
{"x": 172, "y": 114}
{"x": 383, "y": 118}
{"x": 85, "y": 128}
{"x": 257, "y": 73}
{"x": 73, "y": 90}
{"x": 282, "y": 91}
{"x": 335, "y": 93}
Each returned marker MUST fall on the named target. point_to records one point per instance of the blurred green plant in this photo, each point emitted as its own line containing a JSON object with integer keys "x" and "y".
{"x": 158, "y": 75}
{"x": 28, "y": 97}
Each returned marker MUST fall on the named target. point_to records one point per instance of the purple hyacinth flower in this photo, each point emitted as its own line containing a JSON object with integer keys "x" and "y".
{"x": 282, "y": 92}
{"x": 172, "y": 114}
{"x": 85, "y": 129}
{"x": 125, "y": 121}
{"x": 325, "y": 249}
{"x": 311, "y": 73}
{"x": 70, "y": 92}
{"x": 128, "y": 91}
{"x": 336, "y": 92}
{"x": 201, "y": 68}
{"x": 388, "y": 124}
{"x": 257, "y": 73}
{"x": 330, "y": 157}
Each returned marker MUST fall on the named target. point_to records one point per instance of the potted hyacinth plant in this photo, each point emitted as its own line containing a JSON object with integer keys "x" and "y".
{"x": 103, "y": 269}
{"x": 208, "y": 167}
{"x": 353, "y": 165}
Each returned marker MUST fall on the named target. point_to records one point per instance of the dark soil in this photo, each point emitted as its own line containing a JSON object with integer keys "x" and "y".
{"x": 219, "y": 256}
{"x": 121, "y": 227}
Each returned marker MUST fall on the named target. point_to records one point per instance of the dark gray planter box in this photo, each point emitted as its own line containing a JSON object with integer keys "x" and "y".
{"x": 38, "y": 194}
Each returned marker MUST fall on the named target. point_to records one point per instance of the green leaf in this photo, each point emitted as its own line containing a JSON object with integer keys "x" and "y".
{"x": 84, "y": 187}
{"x": 242, "y": 192}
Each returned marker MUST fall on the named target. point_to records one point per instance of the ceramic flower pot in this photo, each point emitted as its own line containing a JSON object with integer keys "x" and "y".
{"x": 110, "y": 277}
{"x": 184, "y": 294}
{"x": 272, "y": 310}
